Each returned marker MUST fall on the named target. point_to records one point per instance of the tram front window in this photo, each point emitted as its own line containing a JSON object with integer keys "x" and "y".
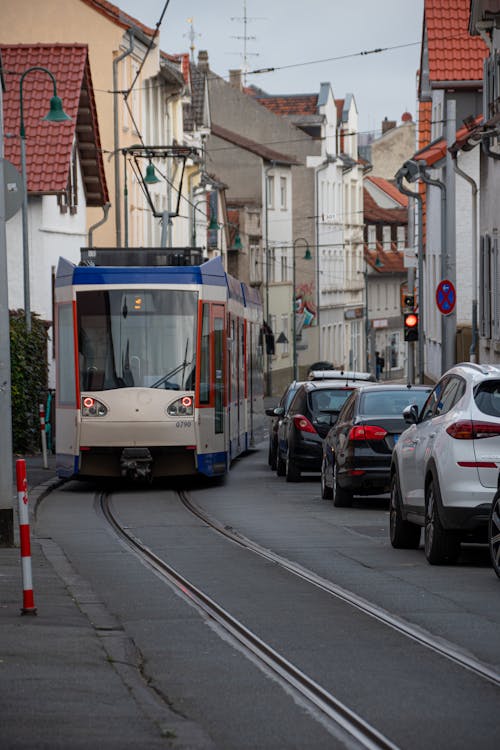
{"x": 136, "y": 338}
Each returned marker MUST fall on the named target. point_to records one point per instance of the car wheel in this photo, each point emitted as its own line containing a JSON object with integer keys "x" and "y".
{"x": 280, "y": 466}
{"x": 442, "y": 547}
{"x": 292, "y": 474}
{"x": 326, "y": 491}
{"x": 342, "y": 498}
{"x": 403, "y": 534}
{"x": 494, "y": 534}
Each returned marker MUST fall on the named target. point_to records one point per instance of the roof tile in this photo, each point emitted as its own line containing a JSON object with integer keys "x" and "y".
{"x": 48, "y": 145}
{"x": 453, "y": 54}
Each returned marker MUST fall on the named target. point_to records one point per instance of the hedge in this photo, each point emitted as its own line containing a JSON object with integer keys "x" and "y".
{"x": 29, "y": 374}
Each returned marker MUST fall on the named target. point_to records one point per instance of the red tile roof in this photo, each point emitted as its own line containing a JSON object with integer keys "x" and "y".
{"x": 436, "y": 150}
{"x": 292, "y": 104}
{"x": 373, "y": 213}
{"x": 385, "y": 261}
{"x": 49, "y": 144}
{"x": 389, "y": 188}
{"x": 453, "y": 54}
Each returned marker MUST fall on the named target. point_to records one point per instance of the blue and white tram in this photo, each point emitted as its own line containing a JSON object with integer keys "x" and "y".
{"x": 159, "y": 368}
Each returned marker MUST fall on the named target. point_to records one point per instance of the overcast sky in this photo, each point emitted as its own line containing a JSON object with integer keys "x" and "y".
{"x": 295, "y": 35}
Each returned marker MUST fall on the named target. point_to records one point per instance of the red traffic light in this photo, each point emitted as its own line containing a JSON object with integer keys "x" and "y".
{"x": 411, "y": 326}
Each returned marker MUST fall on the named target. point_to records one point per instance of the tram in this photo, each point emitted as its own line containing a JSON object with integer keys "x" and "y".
{"x": 159, "y": 365}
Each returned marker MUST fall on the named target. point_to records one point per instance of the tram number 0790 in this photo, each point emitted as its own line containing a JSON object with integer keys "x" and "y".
{"x": 183, "y": 424}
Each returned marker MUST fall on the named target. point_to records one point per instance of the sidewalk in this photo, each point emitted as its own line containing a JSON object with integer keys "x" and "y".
{"x": 70, "y": 675}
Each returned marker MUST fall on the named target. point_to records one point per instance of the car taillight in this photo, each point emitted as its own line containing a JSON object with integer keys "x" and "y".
{"x": 303, "y": 424}
{"x": 367, "y": 432}
{"x": 467, "y": 429}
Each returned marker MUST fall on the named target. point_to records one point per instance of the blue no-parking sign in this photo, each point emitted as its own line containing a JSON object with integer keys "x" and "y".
{"x": 446, "y": 297}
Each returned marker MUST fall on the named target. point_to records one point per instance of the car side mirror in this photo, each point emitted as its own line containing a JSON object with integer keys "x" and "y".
{"x": 410, "y": 414}
{"x": 276, "y": 411}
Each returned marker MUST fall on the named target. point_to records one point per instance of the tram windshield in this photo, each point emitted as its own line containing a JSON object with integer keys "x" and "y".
{"x": 136, "y": 338}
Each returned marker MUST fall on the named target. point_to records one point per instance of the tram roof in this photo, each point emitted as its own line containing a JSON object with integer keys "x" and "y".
{"x": 209, "y": 273}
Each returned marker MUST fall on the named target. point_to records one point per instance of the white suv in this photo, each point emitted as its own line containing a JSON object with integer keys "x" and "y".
{"x": 444, "y": 470}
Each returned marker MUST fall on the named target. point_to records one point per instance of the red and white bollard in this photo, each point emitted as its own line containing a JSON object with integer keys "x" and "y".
{"x": 28, "y": 607}
{"x": 43, "y": 435}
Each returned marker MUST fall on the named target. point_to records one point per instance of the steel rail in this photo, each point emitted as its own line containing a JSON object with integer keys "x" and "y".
{"x": 359, "y": 730}
{"x": 441, "y": 646}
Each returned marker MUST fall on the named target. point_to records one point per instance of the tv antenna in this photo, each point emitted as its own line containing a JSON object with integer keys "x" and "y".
{"x": 245, "y": 38}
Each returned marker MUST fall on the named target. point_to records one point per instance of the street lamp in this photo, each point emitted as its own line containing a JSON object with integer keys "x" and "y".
{"x": 307, "y": 256}
{"x": 55, "y": 114}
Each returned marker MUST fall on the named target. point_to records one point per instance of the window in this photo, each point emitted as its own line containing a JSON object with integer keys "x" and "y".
{"x": 283, "y": 192}
{"x": 66, "y": 390}
{"x": 68, "y": 200}
{"x": 401, "y": 238}
{"x": 270, "y": 191}
{"x": 284, "y": 265}
{"x": 386, "y": 237}
{"x": 372, "y": 237}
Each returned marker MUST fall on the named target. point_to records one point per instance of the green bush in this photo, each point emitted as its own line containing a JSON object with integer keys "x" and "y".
{"x": 29, "y": 373}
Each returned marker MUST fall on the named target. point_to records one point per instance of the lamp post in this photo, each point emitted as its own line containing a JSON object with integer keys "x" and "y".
{"x": 55, "y": 114}
{"x": 307, "y": 256}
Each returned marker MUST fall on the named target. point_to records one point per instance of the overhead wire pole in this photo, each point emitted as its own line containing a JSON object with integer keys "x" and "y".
{"x": 6, "y": 474}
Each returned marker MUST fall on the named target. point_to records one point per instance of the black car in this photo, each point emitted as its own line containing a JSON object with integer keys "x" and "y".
{"x": 301, "y": 430}
{"x": 357, "y": 449}
{"x": 276, "y": 413}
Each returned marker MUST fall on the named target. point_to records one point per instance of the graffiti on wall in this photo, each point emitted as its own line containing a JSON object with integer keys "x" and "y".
{"x": 305, "y": 307}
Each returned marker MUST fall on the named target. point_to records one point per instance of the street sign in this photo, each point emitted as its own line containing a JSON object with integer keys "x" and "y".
{"x": 410, "y": 259}
{"x": 446, "y": 297}
{"x": 13, "y": 190}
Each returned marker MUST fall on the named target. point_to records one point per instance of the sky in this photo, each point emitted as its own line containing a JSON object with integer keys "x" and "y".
{"x": 299, "y": 39}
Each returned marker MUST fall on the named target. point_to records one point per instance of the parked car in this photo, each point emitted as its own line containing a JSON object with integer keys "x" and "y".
{"x": 357, "y": 449}
{"x": 444, "y": 468}
{"x": 313, "y": 410}
{"x": 276, "y": 413}
{"x": 347, "y": 375}
{"x": 494, "y": 532}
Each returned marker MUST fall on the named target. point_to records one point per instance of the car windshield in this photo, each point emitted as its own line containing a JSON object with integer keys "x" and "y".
{"x": 390, "y": 402}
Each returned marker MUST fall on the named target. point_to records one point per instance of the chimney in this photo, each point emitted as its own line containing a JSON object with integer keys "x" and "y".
{"x": 203, "y": 60}
{"x": 387, "y": 125}
{"x": 235, "y": 79}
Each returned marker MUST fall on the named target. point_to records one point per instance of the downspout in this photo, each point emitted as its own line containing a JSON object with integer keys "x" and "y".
{"x": 105, "y": 209}
{"x": 118, "y": 212}
{"x": 437, "y": 183}
{"x": 411, "y": 281}
{"x": 473, "y": 184}
{"x": 266, "y": 203}
{"x": 324, "y": 164}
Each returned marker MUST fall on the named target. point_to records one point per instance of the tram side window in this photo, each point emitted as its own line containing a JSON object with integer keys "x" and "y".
{"x": 66, "y": 393}
{"x": 205, "y": 356}
{"x": 219, "y": 375}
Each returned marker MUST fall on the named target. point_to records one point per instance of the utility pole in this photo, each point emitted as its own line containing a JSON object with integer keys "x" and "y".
{"x": 449, "y": 264}
{"x": 6, "y": 478}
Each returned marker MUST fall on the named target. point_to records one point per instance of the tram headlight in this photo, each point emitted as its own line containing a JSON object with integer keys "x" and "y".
{"x": 91, "y": 407}
{"x": 183, "y": 407}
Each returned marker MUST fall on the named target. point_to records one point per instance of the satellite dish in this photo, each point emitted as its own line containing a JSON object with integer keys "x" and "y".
{"x": 13, "y": 187}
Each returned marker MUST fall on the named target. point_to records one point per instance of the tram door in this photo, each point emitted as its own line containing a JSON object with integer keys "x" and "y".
{"x": 212, "y": 447}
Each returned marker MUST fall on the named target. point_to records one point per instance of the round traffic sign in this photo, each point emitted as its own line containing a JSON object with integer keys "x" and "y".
{"x": 446, "y": 297}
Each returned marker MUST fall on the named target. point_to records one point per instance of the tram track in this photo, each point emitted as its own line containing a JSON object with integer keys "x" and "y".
{"x": 354, "y": 726}
{"x": 440, "y": 646}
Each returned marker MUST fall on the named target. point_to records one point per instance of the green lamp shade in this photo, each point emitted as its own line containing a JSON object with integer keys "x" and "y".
{"x": 150, "y": 178}
{"x": 213, "y": 223}
{"x": 56, "y": 112}
{"x": 237, "y": 242}
{"x": 307, "y": 255}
